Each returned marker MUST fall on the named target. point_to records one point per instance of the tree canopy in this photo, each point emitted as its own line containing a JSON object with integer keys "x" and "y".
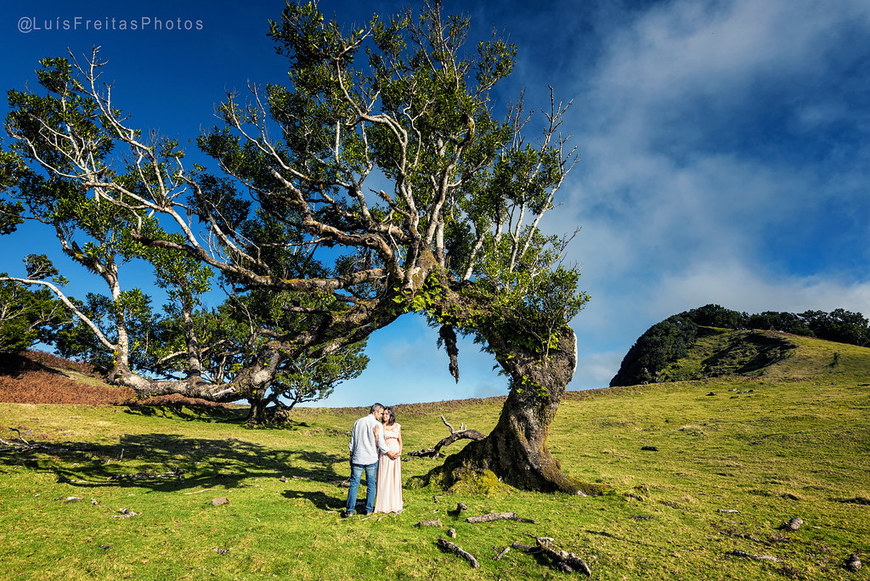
{"x": 375, "y": 181}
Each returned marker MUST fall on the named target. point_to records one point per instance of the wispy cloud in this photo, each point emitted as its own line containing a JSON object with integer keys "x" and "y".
{"x": 725, "y": 160}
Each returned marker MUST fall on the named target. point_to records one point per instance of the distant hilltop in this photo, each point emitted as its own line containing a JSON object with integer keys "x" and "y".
{"x": 712, "y": 341}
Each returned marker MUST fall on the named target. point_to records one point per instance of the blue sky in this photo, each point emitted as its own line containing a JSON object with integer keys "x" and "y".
{"x": 724, "y": 151}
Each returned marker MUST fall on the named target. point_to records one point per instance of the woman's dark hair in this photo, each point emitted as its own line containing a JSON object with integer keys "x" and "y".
{"x": 392, "y": 419}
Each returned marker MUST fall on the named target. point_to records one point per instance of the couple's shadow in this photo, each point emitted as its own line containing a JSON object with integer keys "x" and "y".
{"x": 324, "y": 501}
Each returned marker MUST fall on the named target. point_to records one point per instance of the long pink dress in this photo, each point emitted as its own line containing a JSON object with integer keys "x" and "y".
{"x": 389, "y": 495}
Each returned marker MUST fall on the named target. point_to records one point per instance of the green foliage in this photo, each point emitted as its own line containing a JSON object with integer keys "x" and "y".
{"x": 661, "y": 344}
{"x": 670, "y": 340}
{"x": 27, "y": 316}
{"x": 10, "y": 211}
{"x": 839, "y": 325}
{"x": 306, "y": 380}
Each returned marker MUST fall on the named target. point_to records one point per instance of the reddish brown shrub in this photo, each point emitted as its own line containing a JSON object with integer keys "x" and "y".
{"x": 55, "y": 362}
{"x": 53, "y": 387}
{"x": 37, "y": 377}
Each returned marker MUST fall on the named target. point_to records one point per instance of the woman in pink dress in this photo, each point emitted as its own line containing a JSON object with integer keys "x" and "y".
{"x": 389, "y": 490}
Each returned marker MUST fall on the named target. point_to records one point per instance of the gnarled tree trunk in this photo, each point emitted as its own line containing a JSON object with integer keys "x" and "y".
{"x": 250, "y": 383}
{"x": 516, "y": 449}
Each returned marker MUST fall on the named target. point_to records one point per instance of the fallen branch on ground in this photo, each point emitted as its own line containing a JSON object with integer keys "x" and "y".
{"x": 493, "y": 516}
{"x": 17, "y": 431}
{"x": 458, "y": 510}
{"x": 501, "y": 553}
{"x": 562, "y": 560}
{"x": 456, "y": 550}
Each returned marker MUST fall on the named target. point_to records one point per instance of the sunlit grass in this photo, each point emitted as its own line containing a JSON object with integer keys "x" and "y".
{"x": 733, "y": 460}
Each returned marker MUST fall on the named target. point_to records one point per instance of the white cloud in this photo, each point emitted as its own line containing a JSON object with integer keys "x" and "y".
{"x": 737, "y": 287}
{"x": 719, "y": 50}
{"x": 596, "y": 369}
{"x": 610, "y": 325}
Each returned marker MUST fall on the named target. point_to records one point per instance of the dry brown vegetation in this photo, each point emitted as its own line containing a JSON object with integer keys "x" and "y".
{"x": 39, "y": 377}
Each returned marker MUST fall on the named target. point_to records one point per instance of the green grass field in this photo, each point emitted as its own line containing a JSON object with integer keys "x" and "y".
{"x": 733, "y": 460}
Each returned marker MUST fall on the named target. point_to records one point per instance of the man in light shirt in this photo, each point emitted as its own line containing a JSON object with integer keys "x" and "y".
{"x": 366, "y": 440}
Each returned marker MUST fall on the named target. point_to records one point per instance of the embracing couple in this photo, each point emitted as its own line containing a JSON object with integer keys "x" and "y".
{"x": 375, "y": 448}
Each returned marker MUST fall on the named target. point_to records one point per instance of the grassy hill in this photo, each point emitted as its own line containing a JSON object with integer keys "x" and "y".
{"x": 698, "y": 477}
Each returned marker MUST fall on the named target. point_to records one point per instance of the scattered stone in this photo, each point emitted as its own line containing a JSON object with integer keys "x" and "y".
{"x": 66, "y": 499}
{"x": 429, "y": 523}
{"x": 221, "y": 551}
{"x": 94, "y": 501}
{"x": 711, "y": 393}
{"x": 794, "y": 524}
{"x": 650, "y": 449}
{"x": 729, "y": 511}
{"x": 125, "y": 513}
{"x": 435, "y": 499}
{"x": 641, "y": 517}
{"x": 458, "y": 510}
{"x": 283, "y": 478}
{"x": 853, "y": 563}
{"x": 220, "y": 500}
{"x": 105, "y": 547}
{"x": 451, "y": 533}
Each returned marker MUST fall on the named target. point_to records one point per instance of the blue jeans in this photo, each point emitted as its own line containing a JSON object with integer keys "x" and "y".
{"x": 356, "y": 472}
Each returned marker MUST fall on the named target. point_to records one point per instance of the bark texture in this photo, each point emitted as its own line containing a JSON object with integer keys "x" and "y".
{"x": 516, "y": 450}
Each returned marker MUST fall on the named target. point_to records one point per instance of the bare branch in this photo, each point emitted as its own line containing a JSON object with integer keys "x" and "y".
{"x": 63, "y": 298}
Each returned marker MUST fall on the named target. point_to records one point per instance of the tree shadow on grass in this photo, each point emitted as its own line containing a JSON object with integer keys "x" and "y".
{"x": 169, "y": 462}
{"x": 189, "y": 412}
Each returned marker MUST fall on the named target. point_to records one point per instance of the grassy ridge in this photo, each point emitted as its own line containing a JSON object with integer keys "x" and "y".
{"x": 734, "y": 458}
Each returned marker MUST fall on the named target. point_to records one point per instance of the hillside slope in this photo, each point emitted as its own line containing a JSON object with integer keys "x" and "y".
{"x": 680, "y": 354}
{"x": 656, "y": 355}
{"x": 724, "y": 352}
{"x": 36, "y": 377}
